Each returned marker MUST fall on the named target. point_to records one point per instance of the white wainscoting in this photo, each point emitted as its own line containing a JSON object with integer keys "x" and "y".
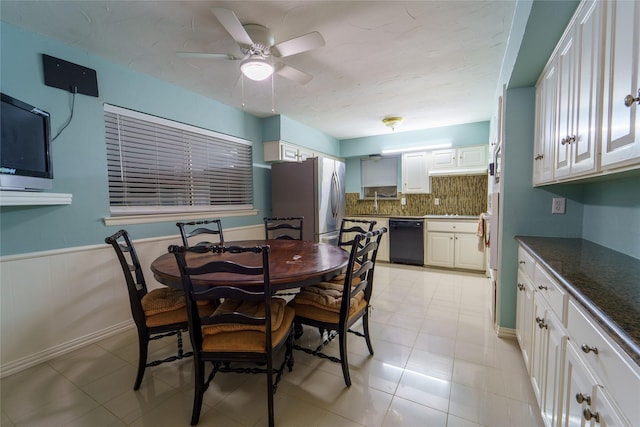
{"x": 54, "y": 302}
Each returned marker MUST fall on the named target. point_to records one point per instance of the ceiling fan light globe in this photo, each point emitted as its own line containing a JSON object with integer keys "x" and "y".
{"x": 256, "y": 69}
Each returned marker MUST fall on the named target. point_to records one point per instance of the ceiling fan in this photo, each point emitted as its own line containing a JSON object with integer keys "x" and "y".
{"x": 257, "y": 45}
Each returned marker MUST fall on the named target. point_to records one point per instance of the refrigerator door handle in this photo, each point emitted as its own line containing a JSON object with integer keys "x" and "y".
{"x": 335, "y": 195}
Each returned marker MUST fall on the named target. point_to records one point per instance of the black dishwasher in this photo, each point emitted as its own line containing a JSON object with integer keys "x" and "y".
{"x": 406, "y": 241}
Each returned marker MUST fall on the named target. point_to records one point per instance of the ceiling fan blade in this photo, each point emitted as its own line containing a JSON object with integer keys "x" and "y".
{"x": 232, "y": 24}
{"x": 293, "y": 74}
{"x": 203, "y": 55}
{"x": 299, "y": 44}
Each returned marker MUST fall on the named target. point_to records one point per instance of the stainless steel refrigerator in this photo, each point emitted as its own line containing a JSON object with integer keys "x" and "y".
{"x": 313, "y": 189}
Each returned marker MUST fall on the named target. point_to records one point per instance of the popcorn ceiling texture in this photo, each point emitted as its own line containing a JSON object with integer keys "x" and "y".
{"x": 459, "y": 195}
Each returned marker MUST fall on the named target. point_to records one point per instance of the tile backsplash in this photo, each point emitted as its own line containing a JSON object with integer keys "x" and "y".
{"x": 459, "y": 195}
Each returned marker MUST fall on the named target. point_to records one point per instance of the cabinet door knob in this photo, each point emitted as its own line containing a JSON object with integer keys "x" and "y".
{"x": 564, "y": 141}
{"x": 629, "y": 100}
{"x": 521, "y": 286}
{"x": 588, "y": 415}
{"x": 543, "y": 325}
{"x": 585, "y": 348}
{"x": 583, "y": 398}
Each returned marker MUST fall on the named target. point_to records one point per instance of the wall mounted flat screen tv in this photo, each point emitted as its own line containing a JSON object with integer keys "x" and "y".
{"x": 25, "y": 146}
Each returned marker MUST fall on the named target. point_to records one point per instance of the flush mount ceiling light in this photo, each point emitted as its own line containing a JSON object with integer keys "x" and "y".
{"x": 392, "y": 122}
{"x": 256, "y": 68}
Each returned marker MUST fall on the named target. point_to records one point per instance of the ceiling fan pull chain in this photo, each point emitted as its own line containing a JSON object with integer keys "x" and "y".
{"x": 242, "y": 88}
{"x": 273, "y": 95}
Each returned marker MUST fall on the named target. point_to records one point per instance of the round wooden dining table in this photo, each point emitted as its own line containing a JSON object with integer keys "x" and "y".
{"x": 292, "y": 264}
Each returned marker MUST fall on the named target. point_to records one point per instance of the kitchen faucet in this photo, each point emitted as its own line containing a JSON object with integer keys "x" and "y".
{"x": 375, "y": 202}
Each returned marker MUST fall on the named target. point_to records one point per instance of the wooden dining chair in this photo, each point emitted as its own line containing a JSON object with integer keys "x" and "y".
{"x": 197, "y": 228}
{"x": 283, "y": 228}
{"x": 158, "y": 313}
{"x": 349, "y": 228}
{"x": 336, "y": 308}
{"x": 249, "y": 326}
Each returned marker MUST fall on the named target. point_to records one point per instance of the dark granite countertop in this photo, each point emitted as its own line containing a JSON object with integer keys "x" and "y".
{"x": 605, "y": 282}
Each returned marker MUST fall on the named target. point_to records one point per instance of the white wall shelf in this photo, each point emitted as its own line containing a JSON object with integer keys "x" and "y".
{"x": 27, "y": 198}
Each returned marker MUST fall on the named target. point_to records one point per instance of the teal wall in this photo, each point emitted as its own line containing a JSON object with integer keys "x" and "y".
{"x": 79, "y": 154}
{"x": 285, "y": 129}
{"x": 612, "y": 214}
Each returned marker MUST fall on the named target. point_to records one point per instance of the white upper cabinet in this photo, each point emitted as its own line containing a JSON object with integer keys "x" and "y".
{"x": 582, "y": 120}
{"x": 621, "y": 118}
{"x": 275, "y": 151}
{"x": 578, "y": 61}
{"x": 472, "y": 159}
{"x": 414, "y": 172}
{"x": 545, "y": 137}
{"x": 567, "y": 103}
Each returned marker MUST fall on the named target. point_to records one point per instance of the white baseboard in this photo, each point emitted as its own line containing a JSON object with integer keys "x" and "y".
{"x": 508, "y": 333}
{"x": 64, "y": 348}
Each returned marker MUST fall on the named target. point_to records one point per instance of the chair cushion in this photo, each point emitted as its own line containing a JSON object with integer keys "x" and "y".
{"x": 327, "y": 296}
{"x": 248, "y": 340}
{"x": 315, "y": 312}
{"x": 339, "y": 279}
{"x": 162, "y": 300}
{"x": 250, "y": 308}
{"x": 178, "y": 315}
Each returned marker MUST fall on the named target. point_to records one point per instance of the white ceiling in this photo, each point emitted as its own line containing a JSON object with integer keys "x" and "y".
{"x": 435, "y": 63}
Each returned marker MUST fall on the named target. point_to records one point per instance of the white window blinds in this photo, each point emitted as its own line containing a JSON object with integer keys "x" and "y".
{"x": 157, "y": 166}
{"x": 382, "y": 172}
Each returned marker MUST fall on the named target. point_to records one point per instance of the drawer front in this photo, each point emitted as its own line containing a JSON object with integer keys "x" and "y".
{"x": 526, "y": 263}
{"x": 453, "y": 226}
{"x": 555, "y": 296}
{"x": 611, "y": 367}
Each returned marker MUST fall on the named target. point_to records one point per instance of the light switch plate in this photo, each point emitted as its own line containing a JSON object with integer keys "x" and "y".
{"x": 403, "y": 201}
{"x": 558, "y": 205}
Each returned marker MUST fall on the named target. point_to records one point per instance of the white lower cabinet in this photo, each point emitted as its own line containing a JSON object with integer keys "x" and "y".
{"x": 579, "y": 375}
{"x": 524, "y": 317}
{"x": 454, "y": 244}
{"x": 585, "y": 402}
{"x": 546, "y": 366}
{"x": 383, "y": 250}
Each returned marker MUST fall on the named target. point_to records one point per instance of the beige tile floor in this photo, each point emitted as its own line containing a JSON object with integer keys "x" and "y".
{"x": 437, "y": 362}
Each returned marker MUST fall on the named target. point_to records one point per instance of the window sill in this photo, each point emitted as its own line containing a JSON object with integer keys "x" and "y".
{"x": 144, "y": 219}
{"x": 35, "y": 198}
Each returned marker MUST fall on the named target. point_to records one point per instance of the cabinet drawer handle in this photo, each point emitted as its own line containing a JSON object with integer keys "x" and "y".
{"x": 588, "y": 415}
{"x": 521, "y": 286}
{"x": 564, "y": 141}
{"x": 539, "y": 157}
{"x": 543, "y": 288}
{"x": 585, "y": 348}
{"x": 629, "y": 100}
{"x": 583, "y": 398}
{"x": 521, "y": 262}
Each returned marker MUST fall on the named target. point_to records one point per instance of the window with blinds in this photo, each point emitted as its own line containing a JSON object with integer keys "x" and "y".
{"x": 379, "y": 177}
{"x": 161, "y": 166}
